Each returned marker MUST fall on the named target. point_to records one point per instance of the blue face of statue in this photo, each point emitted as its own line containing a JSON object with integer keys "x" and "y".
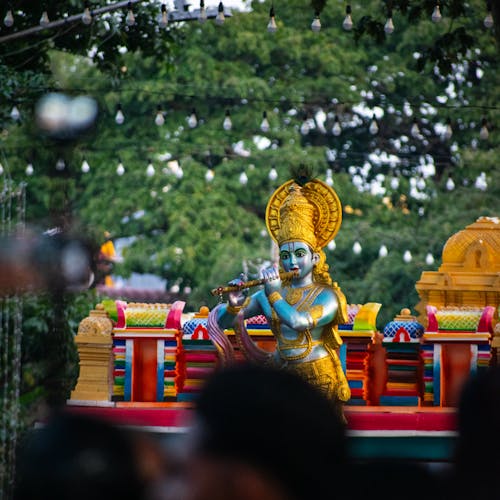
{"x": 297, "y": 256}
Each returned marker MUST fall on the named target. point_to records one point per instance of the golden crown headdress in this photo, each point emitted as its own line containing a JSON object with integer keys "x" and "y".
{"x": 308, "y": 211}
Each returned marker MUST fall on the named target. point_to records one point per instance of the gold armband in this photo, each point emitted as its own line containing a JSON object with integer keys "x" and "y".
{"x": 274, "y": 297}
{"x": 236, "y": 309}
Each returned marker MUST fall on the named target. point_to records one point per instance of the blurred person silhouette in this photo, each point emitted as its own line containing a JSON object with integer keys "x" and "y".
{"x": 77, "y": 457}
{"x": 263, "y": 433}
{"x": 477, "y": 451}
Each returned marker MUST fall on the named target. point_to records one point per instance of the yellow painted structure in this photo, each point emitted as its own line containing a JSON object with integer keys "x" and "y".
{"x": 95, "y": 343}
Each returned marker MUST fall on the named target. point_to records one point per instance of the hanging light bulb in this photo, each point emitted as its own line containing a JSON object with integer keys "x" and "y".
{"x": 415, "y": 130}
{"x": 332, "y": 245}
{"x": 29, "y": 169}
{"x": 481, "y": 182}
{"x": 407, "y": 257}
{"x": 264, "y": 124}
{"x": 60, "y": 165}
{"x": 329, "y": 177}
{"x": 150, "y": 171}
{"x": 436, "y": 14}
{"x": 450, "y": 185}
{"x": 202, "y": 16}
{"x": 219, "y": 18}
{"x": 85, "y": 166}
{"x": 483, "y": 133}
{"x": 347, "y": 24}
{"x": 14, "y": 113}
{"x": 130, "y": 19}
{"x": 1, "y": 169}
{"x": 389, "y": 24}
{"x": 383, "y": 252}
{"x": 488, "y": 20}
{"x": 8, "y": 20}
{"x": 429, "y": 259}
{"x": 44, "y": 20}
{"x": 227, "y": 124}
{"x": 448, "y": 131}
{"x": 271, "y": 25}
{"x": 87, "y": 15}
{"x": 273, "y": 174}
{"x": 163, "y": 18}
{"x": 356, "y": 248}
{"x": 159, "y": 118}
{"x": 119, "y": 117}
{"x": 421, "y": 183}
{"x": 304, "y": 128}
{"x": 243, "y": 178}
{"x": 209, "y": 175}
{"x": 373, "y": 128}
{"x": 193, "y": 119}
{"x": 394, "y": 182}
{"x": 120, "y": 169}
{"x": 316, "y": 24}
{"x": 337, "y": 128}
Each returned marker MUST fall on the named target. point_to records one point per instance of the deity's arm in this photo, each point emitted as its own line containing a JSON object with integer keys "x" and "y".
{"x": 227, "y": 313}
{"x": 321, "y": 312}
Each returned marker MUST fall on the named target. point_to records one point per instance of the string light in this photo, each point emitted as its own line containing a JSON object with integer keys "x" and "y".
{"x": 383, "y": 252}
{"x": 488, "y": 20}
{"x": 193, "y": 119}
{"x": 60, "y": 165}
{"x": 484, "y": 133}
{"x": 119, "y": 117}
{"x": 271, "y": 25}
{"x": 356, "y": 248}
{"x": 450, "y": 185}
{"x": 481, "y": 182}
{"x": 407, "y": 257}
{"x": 209, "y": 175}
{"x": 159, "y": 118}
{"x": 1, "y": 169}
{"x": 429, "y": 259}
{"x": 394, "y": 182}
{"x": 227, "y": 124}
{"x": 304, "y": 127}
{"x": 87, "y": 15}
{"x": 15, "y": 114}
{"x": 243, "y": 178}
{"x": 389, "y": 24}
{"x": 421, "y": 183}
{"x": 332, "y": 245}
{"x": 415, "y": 130}
{"x": 329, "y": 177}
{"x": 120, "y": 169}
{"x": 273, "y": 174}
{"x": 264, "y": 124}
{"x": 202, "y": 15}
{"x": 29, "y": 169}
{"x": 8, "y": 20}
{"x": 44, "y": 20}
{"x": 448, "y": 131}
{"x": 436, "y": 14}
{"x": 316, "y": 23}
{"x": 347, "y": 24}
{"x": 337, "y": 128}
{"x": 373, "y": 128}
{"x": 163, "y": 18}
{"x": 85, "y": 166}
{"x": 130, "y": 19}
{"x": 150, "y": 170}
{"x": 220, "y": 18}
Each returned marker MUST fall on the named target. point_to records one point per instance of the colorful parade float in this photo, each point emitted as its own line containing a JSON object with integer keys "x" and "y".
{"x": 142, "y": 364}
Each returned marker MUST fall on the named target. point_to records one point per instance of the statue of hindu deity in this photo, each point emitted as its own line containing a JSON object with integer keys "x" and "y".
{"x": 301, "y": 303}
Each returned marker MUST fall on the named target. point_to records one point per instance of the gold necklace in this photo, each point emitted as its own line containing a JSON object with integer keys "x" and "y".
{"x": 293, "y": 295}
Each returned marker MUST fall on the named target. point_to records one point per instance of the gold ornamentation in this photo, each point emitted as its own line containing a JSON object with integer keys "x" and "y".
{"x": 310, "y": 213}
{"x": 316, "y": 312}
{"x": 236, "y": 309}
{"x": 274, "y": 297}
{"x": 293, "y": 295}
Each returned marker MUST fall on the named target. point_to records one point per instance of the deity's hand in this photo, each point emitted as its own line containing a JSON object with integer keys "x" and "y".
{"x": 238, "y": 297}
{"x": 273, "y": 280}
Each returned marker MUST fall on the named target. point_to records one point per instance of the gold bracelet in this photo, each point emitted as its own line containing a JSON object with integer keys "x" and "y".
{"x": 236, "y": 309}
{"x": 274, "y": 297}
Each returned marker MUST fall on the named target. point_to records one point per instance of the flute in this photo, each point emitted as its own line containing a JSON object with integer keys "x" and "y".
{"x": 249, "y": 284}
